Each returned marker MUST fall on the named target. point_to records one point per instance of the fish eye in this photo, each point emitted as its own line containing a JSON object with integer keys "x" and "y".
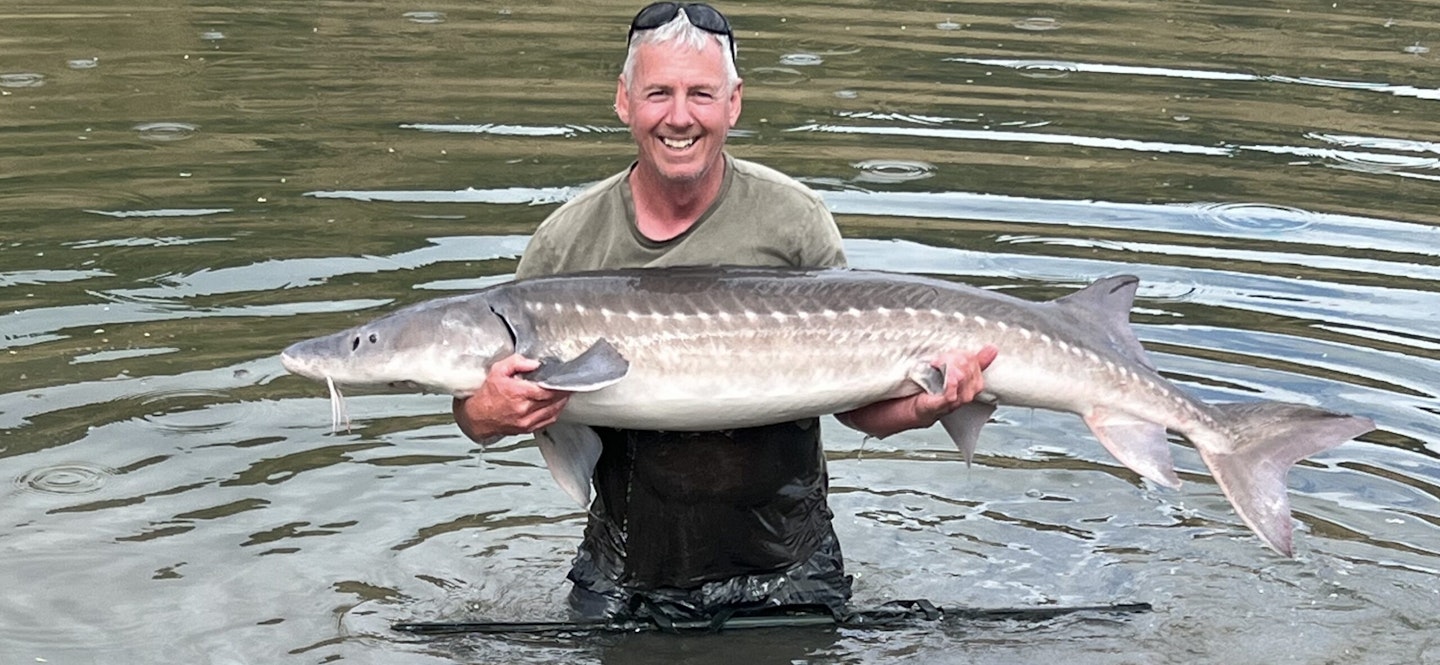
{"x": 373, "y": 338}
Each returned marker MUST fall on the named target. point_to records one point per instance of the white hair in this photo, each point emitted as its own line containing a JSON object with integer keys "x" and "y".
{"x": 680, "y": 31}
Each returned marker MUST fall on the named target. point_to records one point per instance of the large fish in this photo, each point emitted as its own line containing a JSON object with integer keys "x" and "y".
{"x": 698, "y": 349}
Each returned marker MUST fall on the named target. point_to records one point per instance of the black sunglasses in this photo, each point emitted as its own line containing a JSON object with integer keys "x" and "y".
{"x": 701, "y": 15}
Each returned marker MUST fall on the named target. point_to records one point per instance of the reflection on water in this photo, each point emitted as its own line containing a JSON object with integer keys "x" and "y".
{"x": 190, "y": 187}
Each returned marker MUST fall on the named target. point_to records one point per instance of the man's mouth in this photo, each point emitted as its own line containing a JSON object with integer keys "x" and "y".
{"x": 678, "y": 144}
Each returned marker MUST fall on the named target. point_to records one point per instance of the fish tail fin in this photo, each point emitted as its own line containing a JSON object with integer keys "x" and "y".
{"x": 1266, "y": 439}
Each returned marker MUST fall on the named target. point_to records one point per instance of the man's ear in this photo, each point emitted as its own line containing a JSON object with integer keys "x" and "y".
{"x": 622, "y": 101}
{"x": 735, "y": 95}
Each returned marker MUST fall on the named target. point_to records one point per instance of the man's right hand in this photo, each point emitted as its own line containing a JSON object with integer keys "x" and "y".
{"x": 507, "y": 403}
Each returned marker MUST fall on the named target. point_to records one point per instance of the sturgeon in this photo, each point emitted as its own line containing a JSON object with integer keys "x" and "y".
{"x": 699, "y": 349}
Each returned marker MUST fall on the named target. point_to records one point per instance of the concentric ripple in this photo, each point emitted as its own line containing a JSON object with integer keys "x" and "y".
{"x": 425, "y": 17}
{"x": 1045, "y": 69}
{"x": 801, "y": 59}
{"x": 1265, "y": 217}
{"x": 66, "y": 478}
{"x": 776, "y": 75}
{"x": 892, "y": 171}
{"x": 22, "y": 80}
{"x": 1036, "y": 24}
{"x": 165, "y": 131}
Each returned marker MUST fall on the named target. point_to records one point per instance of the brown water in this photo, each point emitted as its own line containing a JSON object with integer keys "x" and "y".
{"x": 186, "y": 187}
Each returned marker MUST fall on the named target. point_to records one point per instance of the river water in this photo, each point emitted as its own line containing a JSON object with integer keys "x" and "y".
{"x": 188, "y": 186}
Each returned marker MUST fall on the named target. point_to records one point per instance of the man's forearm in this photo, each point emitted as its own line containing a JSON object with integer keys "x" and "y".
{"x": 882, "y": 419}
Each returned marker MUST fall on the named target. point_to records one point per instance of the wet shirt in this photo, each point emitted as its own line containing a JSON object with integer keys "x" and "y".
{"x": 681, "y": 509}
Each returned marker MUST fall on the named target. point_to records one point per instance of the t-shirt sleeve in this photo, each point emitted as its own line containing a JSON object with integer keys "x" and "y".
{"x": 534, "y": 259}
{"x": 818, "y": 243}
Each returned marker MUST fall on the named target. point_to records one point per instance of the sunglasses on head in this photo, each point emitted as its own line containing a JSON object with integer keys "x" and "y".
{"x": 701, "y": 15}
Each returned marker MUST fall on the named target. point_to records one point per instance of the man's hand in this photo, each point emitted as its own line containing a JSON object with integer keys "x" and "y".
{"x": 507, "y": 403}
{"x": 963, "y": 381}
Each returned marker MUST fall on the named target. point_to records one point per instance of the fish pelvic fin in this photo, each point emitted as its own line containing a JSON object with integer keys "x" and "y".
{"x": 963, "y": 425}
{"x": 1105, "y": 307}
{"x": 571, "y": 452}
{"x": 1267, "y": 439}
{"x": 1139, "y": 444}
{"x": 599, "y": 366}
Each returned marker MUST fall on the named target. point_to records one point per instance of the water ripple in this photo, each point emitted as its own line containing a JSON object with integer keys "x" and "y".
{"x": 425, "y": 17}
{"x": 1262, "y": 217}
{"x": 83, "y": 63}
{"x": 165, "y": 131}
{"x": 801, "y": 59}
{"x": 163, "y": 212}
{"x": 1036, "y": 24}
{"x": 182, "y": 416}
{"x": 776, "y": 75}
{"x": 66, "y": 478}
{"x": 501, "y": 129}
{"x": 22, "y": 80}
{"x": 1399, "y": 90}
{"x": 1045, "y": 69}
{"x": 892, "y": 171}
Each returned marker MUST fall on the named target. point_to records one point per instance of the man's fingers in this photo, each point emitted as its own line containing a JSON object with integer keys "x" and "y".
{"x": 514, "y": 364}
{"x": 544, "y": 416}
{"x": 964, "y": 373}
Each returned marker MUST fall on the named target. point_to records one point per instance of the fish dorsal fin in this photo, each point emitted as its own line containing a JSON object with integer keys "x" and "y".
{"x": 1105, "y": 305}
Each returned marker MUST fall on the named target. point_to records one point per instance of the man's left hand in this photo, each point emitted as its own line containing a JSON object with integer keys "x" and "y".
{"x": 964, "y": 379}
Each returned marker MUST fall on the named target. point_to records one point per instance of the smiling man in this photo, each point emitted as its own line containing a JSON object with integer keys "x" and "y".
{"x": 690, "y": 523}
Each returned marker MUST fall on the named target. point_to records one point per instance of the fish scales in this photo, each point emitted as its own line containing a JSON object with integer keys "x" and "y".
{"x": 779, "y": 343}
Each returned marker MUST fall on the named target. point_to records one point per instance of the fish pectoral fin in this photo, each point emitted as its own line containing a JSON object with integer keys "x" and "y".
{"x": 1139, "y": 444}
{"x": 963, "y": 425}
{"x": 930, "y": 378}
{"x": 571, "y": 452}
{"x": 599, "y": 366}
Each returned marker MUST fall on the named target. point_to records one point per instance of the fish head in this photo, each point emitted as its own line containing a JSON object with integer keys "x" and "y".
{"x": 443, "y": 346}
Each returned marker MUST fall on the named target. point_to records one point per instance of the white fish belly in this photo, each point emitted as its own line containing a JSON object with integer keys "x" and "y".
{"x": 720, "y": 392}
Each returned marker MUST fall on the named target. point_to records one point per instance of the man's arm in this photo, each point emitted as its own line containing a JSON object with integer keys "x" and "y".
{"x": 963, "y": 381}
{"x": 508, "y": 404}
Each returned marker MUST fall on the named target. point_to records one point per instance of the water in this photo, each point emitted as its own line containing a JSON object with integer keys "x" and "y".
{"x": 186, "y": 187}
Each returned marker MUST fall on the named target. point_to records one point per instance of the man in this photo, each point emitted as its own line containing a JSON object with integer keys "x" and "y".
{"x": 688, "y": 523}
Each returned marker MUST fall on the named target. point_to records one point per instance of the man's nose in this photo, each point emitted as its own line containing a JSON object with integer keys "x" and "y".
{"x": 679, "y": 115}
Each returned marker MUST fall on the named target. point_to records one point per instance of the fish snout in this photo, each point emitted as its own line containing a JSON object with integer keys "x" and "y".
{"x": 296, "y": 361}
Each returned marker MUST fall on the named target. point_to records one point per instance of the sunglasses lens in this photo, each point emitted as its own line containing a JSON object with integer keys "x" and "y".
{"x": 654, "y": 16}
{"x": 706, "y": 18}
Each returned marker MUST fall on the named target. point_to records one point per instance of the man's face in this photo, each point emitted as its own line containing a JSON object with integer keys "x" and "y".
{"x": 679, "y": 108}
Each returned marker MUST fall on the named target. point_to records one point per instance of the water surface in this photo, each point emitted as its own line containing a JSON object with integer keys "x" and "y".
{"x": 187, "y": 187}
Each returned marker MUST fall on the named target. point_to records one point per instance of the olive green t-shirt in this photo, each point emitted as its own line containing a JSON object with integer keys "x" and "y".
{"x": 761, "y": 217}
{"x": 677, "y": 510}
